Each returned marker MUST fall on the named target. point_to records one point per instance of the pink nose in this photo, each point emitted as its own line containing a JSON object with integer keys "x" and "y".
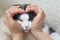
{"x": 26, "y": 27}
{"x": 27, "y": 30}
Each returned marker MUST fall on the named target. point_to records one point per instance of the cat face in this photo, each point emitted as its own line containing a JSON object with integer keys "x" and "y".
{"x": 25, "y": 20}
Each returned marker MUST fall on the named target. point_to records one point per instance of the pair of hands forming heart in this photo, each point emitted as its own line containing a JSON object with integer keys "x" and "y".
{"x": 13, "y": 26}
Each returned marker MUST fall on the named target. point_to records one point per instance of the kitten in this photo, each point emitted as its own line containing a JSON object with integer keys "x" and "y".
{"x": 25, "y": 19}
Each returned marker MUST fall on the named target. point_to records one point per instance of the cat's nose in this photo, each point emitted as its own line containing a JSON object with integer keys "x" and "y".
{"x": 26, "y": 29}
{"x": 26, "y": 26}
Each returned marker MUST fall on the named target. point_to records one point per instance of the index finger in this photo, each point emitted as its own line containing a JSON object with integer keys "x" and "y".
{"x": 32, "y": 8}
{"x": 15, "y": 10}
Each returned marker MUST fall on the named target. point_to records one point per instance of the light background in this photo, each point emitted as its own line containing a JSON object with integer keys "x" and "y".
{"x": 50, "y": 7}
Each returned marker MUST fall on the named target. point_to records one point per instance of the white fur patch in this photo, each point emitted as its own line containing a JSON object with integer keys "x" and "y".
{"x": 25, "y": 23}
{"x": 24, "y": 17}
{"x": 55, "y": 36}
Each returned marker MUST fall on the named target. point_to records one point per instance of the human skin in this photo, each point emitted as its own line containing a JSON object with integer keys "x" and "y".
{"x": 37, "y": 23}
{"x": 12, "y": 25}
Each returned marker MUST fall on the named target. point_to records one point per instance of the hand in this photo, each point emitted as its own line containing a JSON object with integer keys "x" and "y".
{"x": 12, "y": 24}
{"x": 38, "y": 21}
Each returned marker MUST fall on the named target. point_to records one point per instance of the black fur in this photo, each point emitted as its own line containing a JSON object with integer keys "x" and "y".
{"x": 23, "y": 6}
{"x": 51, "y": 30}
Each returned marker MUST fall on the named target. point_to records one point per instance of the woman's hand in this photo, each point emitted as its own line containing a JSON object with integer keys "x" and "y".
{"x": 37, "y": 23}
{"x": 13, "y": 25}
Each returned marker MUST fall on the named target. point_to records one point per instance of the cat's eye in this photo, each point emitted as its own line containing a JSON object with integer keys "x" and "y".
{"x": 16, "y": 17}
{"x": 31, "y": 15}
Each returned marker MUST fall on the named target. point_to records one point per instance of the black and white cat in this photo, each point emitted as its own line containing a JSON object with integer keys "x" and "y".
{"x": 26, "y": 20}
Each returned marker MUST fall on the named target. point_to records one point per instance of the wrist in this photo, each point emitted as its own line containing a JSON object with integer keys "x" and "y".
{"x": 16, "y": 33}
{"x": 40, "y": 35}
{"x": 36, "y": 30}
{"x": 18, "y": 36}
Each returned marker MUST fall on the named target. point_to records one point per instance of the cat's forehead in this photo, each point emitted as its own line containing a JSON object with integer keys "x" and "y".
{"x": 24, "y": 16}
{"x": 27, "y": 16}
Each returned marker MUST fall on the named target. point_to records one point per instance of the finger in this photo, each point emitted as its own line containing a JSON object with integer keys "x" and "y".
{"x": 39, "y": 18}
{"x": 32, "y": 8}
{"x": 13, "y": 25}
{"x": 32, "y": 5}
{"x": 11, "y": 20}
{"x": 38, "y": 22}
{"x": 7, "y": 24}
{"x": 15, "y": 10}
{"x": 8, "y": 15}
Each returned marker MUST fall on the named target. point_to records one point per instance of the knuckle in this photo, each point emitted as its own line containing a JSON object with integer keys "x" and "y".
{"x": 6, "y": 11}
